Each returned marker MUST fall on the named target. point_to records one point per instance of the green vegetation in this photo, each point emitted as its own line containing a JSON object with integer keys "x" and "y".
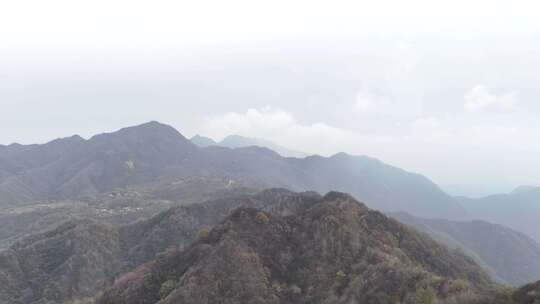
{"x": 262, "y": 218}
{"x": 53, "y": 292}
{"x": 506, "y": 294}
{"x": 426, "y": 296}
{"x": 458, "y": 285}
{"x": 203, "y": 234}
{"x": 148, "y": 281}
{"x": 166, "y": 288}
{"x": 295, "y": 290}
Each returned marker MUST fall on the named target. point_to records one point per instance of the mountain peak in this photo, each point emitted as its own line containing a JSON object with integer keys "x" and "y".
{"x": 239, "y": 141}
{"x": 329, "y": 251}
{"x": 335, "y": 196}
{"x": 151, "y": 126}
{"x": 523, "y": 189}
{"x": 72, "y": 139}
{"x": 341, "y": 155}
{"x": 149, "y": 130}
{"x": 203, "y": 141}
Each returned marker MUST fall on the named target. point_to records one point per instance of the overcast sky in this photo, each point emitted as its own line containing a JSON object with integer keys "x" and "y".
{"x": 449, "y": 89}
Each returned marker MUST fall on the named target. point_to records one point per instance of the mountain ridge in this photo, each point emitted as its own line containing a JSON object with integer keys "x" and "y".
{"x": 509, "y": 256}
{"x": 137, "y": 243}
{"x": 313, "y": 254}
{"x": 518, "y": 210}
{"x": 238, "y": 141}
{"x": 153, "y": 151}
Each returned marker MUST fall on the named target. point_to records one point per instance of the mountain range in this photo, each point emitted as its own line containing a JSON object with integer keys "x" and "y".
{"x": 304, "y": 248}
{"x": 93, "y": 219}
{"x": 237, "y": 141}
{"x": 510, "y": 257}
{"x": 80, "y": 258}
{"x": 284, "y": 247}
{"x": 135, "y": 156}
{"x": 519, "y": 209}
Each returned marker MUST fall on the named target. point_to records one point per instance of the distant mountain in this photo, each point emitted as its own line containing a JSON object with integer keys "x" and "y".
{"x": 202, "y": 141}
{"x": 519, "y": 210}
{"x": 471, "y": 190}
{"x": 523, "y": 189}
{"x": 237, "y": 141}
{"x": 509, "y": 256}
{"x": 133, "y": 173}
{"x": 152, "y": 152}
{"x": 130, "y": 156}
{"x": 329, "y": 249}
{"x": 17, "y": 158}
{"x": 528, "y": 294}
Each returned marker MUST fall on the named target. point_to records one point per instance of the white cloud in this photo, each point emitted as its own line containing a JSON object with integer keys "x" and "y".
{"x": 281, "y": 127}
{"x": 434, "y": 130}
{"x": 480, "y": 98}
{"x": 391, "y": 102}
{"x": 363, "y": 102}
{"x": 373, "y": 102}
{"x": 426, "y": 123}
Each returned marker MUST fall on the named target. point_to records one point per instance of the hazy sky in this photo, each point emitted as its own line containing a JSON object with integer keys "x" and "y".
{"x": 446, "y": 88}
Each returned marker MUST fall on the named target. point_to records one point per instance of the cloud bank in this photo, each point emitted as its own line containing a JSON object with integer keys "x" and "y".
{"x": 438, "y": 146}
{"x": 279, "y": 126}
{"x": 480, "y": 98}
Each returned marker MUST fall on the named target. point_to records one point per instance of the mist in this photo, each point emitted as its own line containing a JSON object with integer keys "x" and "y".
{"x": 457, "y": 102}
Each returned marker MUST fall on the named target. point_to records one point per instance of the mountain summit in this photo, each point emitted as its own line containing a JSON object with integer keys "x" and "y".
{"x": 203, "y": 141}
{"x": 331, "y": 250}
